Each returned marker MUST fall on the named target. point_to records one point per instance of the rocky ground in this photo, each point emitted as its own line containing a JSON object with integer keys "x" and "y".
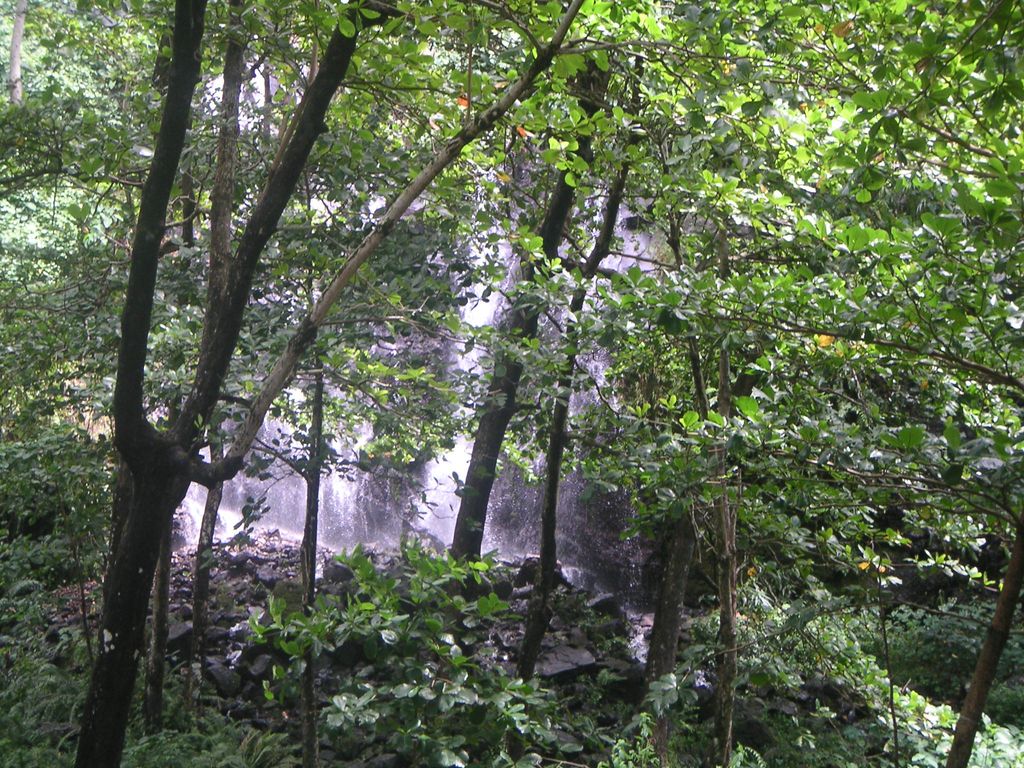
{"x": 591, "y": 638}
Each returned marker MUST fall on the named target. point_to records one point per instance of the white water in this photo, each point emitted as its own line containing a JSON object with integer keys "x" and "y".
{"x": 359, "y": 507}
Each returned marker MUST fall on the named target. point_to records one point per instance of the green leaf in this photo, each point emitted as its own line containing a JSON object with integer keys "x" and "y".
{"x": 748, "y": 407}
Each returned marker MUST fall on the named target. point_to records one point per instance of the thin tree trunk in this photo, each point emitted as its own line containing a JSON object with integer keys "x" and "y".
{"x": 677, "y": 547}
{"x": 539, "y": 614}
{"x": 159, "y": 469}
{"x": 201, "y": 588}
{"x": 988, "y": 659}
{"x": 497, "y": 410}
{"x": 307, "y": 556}
{"x": 726, "y": 530}
{"x": 14, "y": 88}
{"x": 153, "y": 698}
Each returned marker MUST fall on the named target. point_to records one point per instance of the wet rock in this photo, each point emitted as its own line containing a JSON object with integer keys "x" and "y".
{"x": 179, "y": 638}
{"x": 227, "y": 682}
{"x": 565, "y": 663}
{"x": 387, "y": 760}
{"x": 260, "y": 667}
{"x": 238, "y": 562}
{"x": 607, "y": 605}
{"x": 578, "y": 637}
{"x": 503, "y": 588}
{"x": 216, "y": 635}
{"x": 337, "y": 573}
{"x": 268, "y": 576}
{"x": 749, "y": 727}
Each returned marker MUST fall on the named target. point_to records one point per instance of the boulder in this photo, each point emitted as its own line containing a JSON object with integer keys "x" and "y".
{"x": 268, "y": 576}
{"x": 179, "y": 638}
{"x": 227, "y": 682}
{"x": 566, "y": 663}
{"x": 337, "y": 573}
{"x": 607, "y": 605}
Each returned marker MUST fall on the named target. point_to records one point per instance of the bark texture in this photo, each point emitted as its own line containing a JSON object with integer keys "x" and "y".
{"x": 677, "y": 547}
{"x": 988, "y": 659}
{"x": 307, "y": 557}
{"x": 153, "y": 699}
{"x": 201, "y": 586}
{"x": 14, "y": 88}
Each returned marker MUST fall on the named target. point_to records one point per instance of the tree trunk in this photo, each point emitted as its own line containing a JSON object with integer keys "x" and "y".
{"x": 988, "y": 659}
{"x": 677, "y": 546}
{"x": 540, "y": 603}
{"x": 497, "y": 410}
{"x": 14, "y": 88}
{"x": 153, "y": 699}
{"x": 539, "y": 614}
{"x": 105, "y": 715}
{"x": 201, "y": 588}
{"x": 726, "y": 535}
{"x": 307, "y": 557}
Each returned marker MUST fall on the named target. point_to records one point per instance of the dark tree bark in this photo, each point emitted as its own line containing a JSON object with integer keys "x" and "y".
{"x": 14, "y": 88}
{"x": 201, "y": 587}
{"x": 988, "y": 659}
{"x": 158, "y": 471}
{"x": 539, "y": 614}
{"x": 307, "y": 556}
{"x": 153, "y": 698}
{"x": 498, "y": 408}
{"x": 677, "y": 546}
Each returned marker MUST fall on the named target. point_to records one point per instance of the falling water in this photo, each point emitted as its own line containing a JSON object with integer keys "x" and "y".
{"x": 374, "y": 508}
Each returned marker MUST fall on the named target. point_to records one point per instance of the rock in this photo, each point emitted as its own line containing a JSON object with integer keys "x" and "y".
{"x": 607, "y": 605}
{"x": 749, "y": 727}
{"x": 260, "y": 667}
{"x": 387, "y": 760}
{"x": 238, "y": 562}
{"x": 179, "y": 638}
{"x": 227, "y": 682}
{"x": 566, "y": 663}
{"x": 337, "y": 573}
{"x": 267, "y": 576}
{"x": 503, "y": 588}
{"x": 527, "y": 573}
{"x": 530, "y": 569}
{"x": 629, "y": 685}
{"x": 577, "y": 637}
{"x": 216, "y": 635}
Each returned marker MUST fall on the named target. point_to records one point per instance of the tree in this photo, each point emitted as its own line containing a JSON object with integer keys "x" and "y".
{"x": 163, "y": 464}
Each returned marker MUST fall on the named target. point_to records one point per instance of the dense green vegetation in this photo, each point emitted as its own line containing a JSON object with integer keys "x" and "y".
{"x": 774, "y": 248}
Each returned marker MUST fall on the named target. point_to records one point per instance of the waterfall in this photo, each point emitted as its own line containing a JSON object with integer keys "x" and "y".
{"x": 374, "y": 507}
